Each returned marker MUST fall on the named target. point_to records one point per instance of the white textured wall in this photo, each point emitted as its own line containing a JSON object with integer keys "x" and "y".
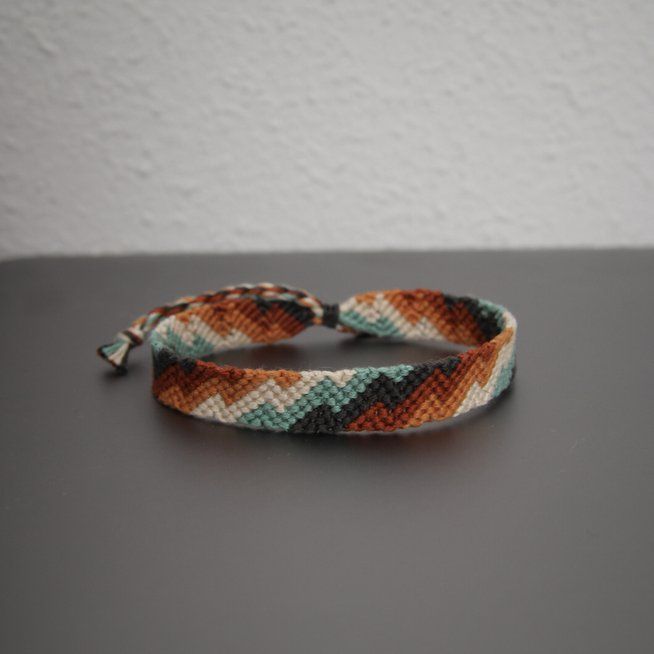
{"x": 149, "y": 125}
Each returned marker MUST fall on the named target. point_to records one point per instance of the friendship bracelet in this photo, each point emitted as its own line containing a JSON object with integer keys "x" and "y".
{"x": 357, "y": 399}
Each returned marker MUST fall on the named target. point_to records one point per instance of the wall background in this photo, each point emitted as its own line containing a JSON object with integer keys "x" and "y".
{"x": 148, "y": 125}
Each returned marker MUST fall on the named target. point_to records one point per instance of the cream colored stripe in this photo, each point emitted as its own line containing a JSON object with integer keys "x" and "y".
{"x": 382, "y": 308}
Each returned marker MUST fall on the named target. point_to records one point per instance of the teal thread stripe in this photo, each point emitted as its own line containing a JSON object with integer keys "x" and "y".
{"x": 505, "y": 375}
{"x": 380, "y": 327}
{"x": 172, "y": 341}
{"x": 325, "y": 392}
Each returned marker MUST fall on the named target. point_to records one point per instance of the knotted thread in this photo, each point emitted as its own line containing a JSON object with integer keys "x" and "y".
{"x": 186, "y": 331}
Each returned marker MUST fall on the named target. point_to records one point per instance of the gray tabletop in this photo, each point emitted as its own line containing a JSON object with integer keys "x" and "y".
{"x": 524, "y": 527}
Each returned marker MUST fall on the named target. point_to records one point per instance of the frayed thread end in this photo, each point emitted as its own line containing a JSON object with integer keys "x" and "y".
{"x": 116, "y": 353}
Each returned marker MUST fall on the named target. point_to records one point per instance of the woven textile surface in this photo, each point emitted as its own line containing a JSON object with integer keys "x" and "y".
{"x": 184, "y": 333}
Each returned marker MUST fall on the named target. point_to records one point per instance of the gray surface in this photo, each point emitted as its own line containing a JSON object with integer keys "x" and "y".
{"x": 523, "y": 528}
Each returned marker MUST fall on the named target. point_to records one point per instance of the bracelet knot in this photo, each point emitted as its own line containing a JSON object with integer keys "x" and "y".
{"x": 330, "y": 315}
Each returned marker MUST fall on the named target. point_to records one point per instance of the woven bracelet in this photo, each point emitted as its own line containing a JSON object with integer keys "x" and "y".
{"x": 358, "y": 399}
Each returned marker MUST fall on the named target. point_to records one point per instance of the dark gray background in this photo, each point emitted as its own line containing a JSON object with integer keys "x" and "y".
{"x": 525, "y": 527}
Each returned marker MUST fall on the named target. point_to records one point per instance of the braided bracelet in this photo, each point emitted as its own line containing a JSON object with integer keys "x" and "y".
{"x": 357, "y": 399}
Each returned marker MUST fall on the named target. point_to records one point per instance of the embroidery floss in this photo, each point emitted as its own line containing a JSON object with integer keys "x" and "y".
{"x": 358, "y": 399}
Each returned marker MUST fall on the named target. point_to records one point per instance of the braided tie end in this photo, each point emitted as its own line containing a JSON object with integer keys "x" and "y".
{"x": 117, "y": 352}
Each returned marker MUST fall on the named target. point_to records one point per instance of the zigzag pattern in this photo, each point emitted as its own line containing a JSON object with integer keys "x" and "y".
{"x": 359, "y": 399}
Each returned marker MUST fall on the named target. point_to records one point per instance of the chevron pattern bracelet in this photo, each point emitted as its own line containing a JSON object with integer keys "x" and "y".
{"x": 358, "y": 399}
